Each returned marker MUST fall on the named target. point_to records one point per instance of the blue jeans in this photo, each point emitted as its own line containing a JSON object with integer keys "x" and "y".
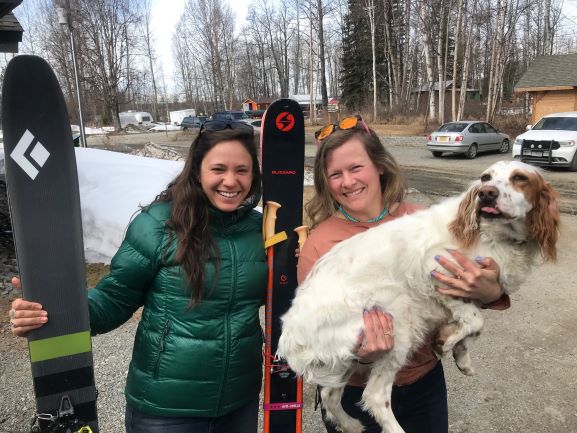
{"x": 420, "y": 407}
{"x": 242, "y": 420}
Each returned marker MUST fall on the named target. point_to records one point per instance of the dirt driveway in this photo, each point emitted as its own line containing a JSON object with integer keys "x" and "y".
{"x": 526, "y": 359}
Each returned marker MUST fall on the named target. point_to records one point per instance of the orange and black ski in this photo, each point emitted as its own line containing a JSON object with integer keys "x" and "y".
{"x": 282, "y": 153}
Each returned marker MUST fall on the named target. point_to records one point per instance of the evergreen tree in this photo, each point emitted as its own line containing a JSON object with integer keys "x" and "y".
{"x": 356, "y": 71}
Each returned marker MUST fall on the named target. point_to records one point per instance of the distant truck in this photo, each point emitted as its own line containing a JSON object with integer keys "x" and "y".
{"x": 177, "y": 116}
{"x": 137, "y": 118}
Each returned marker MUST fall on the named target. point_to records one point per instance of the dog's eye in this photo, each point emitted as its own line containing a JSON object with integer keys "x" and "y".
{"x": 486, "y": 178}
{"x": 519, "y": 178}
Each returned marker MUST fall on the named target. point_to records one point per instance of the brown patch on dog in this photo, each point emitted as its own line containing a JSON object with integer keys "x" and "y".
{"x": 442, "y": 335}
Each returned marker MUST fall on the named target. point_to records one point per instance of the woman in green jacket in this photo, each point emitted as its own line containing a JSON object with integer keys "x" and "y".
{"x": 194, "y": 259}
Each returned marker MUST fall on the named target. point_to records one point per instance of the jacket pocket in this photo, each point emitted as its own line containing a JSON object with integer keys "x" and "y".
{"x": 161, "y": 346}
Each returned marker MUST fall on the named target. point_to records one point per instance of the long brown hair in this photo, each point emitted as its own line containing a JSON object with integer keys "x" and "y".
{"x": 189, "y": 218}
{"x": 323, "y": 205}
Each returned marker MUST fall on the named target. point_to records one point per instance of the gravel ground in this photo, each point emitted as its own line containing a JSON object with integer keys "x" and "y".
{"x": 526, "y": 360}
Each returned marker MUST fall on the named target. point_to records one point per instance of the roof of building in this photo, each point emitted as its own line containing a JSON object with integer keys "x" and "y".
{"x": 549, "y": 72}
{"x": 10, "y": 29}
{"x": 306, "y": 99}
{"x": 7, "y": 6}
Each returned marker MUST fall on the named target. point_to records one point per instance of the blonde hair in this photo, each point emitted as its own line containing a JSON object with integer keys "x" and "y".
{"x": 323, "y": 205}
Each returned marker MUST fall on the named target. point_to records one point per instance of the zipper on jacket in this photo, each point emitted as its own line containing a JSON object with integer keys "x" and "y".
{"x": 227, "y": 333}
{"x": 161, "y": 346}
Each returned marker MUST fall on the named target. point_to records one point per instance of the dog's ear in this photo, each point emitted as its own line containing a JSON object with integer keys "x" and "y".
{"x": 543, "y": 221}
{"x": 465, "y": 227}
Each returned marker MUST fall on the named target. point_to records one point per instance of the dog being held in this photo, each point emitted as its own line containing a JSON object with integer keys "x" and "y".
{"x": 510, "y": 214}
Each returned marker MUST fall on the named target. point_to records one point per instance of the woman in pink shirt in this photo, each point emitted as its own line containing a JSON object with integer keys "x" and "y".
{"x": 358, "y": 185}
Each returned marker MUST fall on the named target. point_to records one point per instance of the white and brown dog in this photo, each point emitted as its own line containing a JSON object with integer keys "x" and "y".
{"x": 510, "y": 214}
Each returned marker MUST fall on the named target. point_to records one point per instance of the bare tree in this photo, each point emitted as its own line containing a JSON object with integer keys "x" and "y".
{"x": 149, "y": 51}
{"x": 107, "y": 26}
{"x": 426, "y": 25}
{"x": 370, "y": 8}
{"x": 466, "y": 63}
{"x": 321, "y": 36}
{"x": 461, "y": 8}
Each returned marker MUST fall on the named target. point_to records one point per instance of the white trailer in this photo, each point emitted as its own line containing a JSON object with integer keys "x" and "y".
{"x": 138, "y": 118}
{"x": 177, "y": 116}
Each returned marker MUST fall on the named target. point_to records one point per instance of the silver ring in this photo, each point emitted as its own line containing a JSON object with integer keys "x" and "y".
{"x": 459, "y": 277}
{"x": 386, "y": 333}
{"x": 12, "y": 313}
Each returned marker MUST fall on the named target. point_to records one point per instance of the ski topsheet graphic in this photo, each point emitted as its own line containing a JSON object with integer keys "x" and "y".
{"x": 44, "y": 203}
{"x": 282, "y": 152}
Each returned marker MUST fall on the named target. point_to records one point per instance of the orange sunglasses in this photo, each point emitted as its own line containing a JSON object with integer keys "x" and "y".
{"x": 347, "y": 123}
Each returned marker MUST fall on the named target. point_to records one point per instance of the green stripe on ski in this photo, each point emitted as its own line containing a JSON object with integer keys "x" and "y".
{"x": 58, "y": 347}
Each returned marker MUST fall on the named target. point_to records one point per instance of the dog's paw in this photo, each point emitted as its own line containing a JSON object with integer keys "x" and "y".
{"x": 467, "y": 371}
{"x": 463, "y": 360}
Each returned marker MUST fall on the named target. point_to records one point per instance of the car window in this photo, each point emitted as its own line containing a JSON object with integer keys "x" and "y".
{"x": 557, "y": 123}
{"x": 489, "y": 128}
{"x": 475, "y": 128}
{"x": 452, "y": 127}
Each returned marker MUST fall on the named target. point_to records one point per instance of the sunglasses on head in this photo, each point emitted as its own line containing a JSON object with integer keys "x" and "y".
{"x": 221, "y": 125}
{"x": 347, "y": 123}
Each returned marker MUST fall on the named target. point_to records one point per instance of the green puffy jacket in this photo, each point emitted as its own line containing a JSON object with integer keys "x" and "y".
{"x": 205, "y": 361}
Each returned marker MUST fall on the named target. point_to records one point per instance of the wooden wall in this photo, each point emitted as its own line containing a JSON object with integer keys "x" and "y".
{"x": 552, "y": 101}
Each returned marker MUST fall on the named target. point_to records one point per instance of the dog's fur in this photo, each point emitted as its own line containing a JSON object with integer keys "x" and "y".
{"x": 510, "y": 214}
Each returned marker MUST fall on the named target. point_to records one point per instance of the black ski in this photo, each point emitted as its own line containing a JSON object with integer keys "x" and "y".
{"x": 44, "y": 203}
{"x": 282, "y": 152}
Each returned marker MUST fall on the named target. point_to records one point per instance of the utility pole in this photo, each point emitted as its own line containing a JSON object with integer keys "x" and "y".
{"x": 63, "y": 11}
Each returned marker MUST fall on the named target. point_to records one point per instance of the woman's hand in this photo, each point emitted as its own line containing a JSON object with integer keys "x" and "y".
{"x": 477, "y": 279}
{"x": 24, "y": 315}
{"x": 377, "y": 336}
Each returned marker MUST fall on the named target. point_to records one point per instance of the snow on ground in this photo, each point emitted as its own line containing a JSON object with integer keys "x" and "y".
{"x": 113, "y": 187}
{"x": 92, "y": 131}
{"x": 163, "y": 128}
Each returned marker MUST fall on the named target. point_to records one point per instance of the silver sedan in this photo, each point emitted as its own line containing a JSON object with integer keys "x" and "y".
{"x": 467, "y": 137}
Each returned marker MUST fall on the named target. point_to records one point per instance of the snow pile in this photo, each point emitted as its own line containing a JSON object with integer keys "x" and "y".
{"x": 113, "y": 187}
{"x": 92, "y": 131}
{"x": 167, "y": 127}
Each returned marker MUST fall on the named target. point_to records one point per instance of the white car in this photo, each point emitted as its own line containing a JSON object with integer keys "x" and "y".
{"x": 551, "y": 142}
{"x": 255, "y": 123}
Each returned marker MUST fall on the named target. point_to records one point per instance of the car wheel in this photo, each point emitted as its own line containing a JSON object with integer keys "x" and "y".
{"x": 437, "y": 154}
{"x": 472, "y": 152}
{"x": 573, "y": 166}
{"x": 504, "y": 146}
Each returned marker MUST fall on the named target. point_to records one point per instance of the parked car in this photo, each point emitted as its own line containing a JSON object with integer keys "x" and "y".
{"x": 255, "y": 123}
{"x": 467, "y": 137}
{"x": 551, "y": 142}
{"x": 229, "y": 115}
{"x": 193, "y": 122}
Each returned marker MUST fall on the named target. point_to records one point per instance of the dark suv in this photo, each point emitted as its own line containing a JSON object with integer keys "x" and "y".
{"x": 229, "y": 115}
{"x": 193, "y": 122}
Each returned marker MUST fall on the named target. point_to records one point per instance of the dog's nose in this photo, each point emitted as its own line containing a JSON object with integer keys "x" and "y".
{"x": 488, "y": 193}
